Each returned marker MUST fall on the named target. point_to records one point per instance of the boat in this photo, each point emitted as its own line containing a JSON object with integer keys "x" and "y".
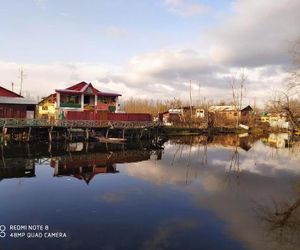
{"x": 111, "y": 140}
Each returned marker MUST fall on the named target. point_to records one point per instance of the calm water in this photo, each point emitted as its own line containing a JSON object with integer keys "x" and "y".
{"x": 194, "y": 193}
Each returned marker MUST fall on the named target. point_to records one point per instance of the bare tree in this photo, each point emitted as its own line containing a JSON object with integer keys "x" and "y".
{"x": 237, "y": 83}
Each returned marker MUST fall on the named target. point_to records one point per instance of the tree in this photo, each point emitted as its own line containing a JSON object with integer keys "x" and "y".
{"x": 237, "y": 83}
{"x": 287, "y": 100}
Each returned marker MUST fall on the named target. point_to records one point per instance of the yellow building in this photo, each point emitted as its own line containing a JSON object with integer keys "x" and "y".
{"x": 47, "y": 108}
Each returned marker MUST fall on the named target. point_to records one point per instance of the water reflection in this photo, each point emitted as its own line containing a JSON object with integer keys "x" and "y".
{"x": 222, "y": 192}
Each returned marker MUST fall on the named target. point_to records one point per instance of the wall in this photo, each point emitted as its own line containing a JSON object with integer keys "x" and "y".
{"x": 12, "y": 111}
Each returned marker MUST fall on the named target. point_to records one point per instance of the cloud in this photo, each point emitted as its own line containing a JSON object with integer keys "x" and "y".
{"x": 254, "y": 37}
{"x": 164, "y": 74}
{"x": 264, "y": 175}
{"x": 115, "y": 32}
{"x": 168, "y": 231}
{"x": 185, "y": 8}
{"x": 256, "y": 33}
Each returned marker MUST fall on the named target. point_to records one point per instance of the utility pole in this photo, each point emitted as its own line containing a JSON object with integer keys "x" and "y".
{"x": 199, "y": 94}
{"x": 12, "y": 86}
{"x": 191, "y": 99}
{"x": 22, "y": 77}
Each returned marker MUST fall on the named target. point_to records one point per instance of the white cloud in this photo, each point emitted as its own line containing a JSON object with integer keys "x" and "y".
{"x": 185, "y": 7}
{"x": 255, "y": 37}
{"x": 257, "y": 33}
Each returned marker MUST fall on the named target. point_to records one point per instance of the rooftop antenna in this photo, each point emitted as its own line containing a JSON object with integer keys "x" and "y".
{"x": 12, "y": 86}
{"x": 22, "y": 77}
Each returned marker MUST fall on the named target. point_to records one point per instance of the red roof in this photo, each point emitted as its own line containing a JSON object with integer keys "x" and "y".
{"x": 84, "y": 87}
{"x": 7, "y": 93}
{"x": 51, "y": 97}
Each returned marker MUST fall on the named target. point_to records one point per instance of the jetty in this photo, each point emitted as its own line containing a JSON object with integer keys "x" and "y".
{"x": 70, "y": 130}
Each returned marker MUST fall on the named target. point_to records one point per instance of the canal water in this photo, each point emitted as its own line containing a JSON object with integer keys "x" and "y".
{"x": 223, "y": 192}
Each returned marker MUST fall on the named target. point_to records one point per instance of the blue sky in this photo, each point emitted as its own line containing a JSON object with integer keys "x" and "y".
{"x": 54, "y": 30}
{"x": 148, "y": 48}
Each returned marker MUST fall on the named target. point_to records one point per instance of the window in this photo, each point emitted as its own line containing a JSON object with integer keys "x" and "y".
{"x": 70, "y": 99}
{"x": 106, "y": 99}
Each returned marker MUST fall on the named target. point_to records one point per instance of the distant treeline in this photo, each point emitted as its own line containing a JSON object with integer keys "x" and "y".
{"x": 137, "y": 105}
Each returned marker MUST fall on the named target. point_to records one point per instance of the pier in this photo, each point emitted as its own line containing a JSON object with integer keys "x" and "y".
{"x": 70, "y": 130}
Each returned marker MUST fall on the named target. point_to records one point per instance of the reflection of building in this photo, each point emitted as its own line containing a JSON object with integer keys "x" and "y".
{"x": 82, "y": 170}
{"x": 13, "y": 105}
{"x": 16, "y": 168}
{"x": 86, "y": 166}
{"x": 243, "y": 141}
{"x": 232, "y": 141}
{"x": 277, "y": 140}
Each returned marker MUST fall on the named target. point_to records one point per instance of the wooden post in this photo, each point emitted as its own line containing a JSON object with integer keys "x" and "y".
{"x": 4, "y": 130}
{"x": 29, "y": 134}
{"x": 70, "y": 135}
{"x": 87, "y": 134}
{"x": 50, "y": 134}
{"x": 141, "y": 133}
{"x": 123, "y": 134}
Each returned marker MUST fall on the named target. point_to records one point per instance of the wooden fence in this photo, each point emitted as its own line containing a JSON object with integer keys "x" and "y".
{"x": 19, "y": 123}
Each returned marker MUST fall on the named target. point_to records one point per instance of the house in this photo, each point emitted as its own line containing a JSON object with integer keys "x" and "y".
{"x": 181, "y": 114}
{"x": 275, "y": 120}
{"x": 47, "y": 107}
{"x": 13, "y": 105}
{"x": 80, "y": 101}
{"x": 227, "y": 115}
{"x": 84, "y": 96}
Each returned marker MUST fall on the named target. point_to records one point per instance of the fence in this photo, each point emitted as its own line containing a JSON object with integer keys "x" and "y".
{"x": 107, "y": 116}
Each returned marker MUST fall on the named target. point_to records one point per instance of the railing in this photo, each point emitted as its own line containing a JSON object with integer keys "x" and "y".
{"x": 70, "y": 105}
{"x": 19, "y": 123}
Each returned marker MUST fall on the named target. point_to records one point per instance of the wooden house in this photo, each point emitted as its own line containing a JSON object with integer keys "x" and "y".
{"x": 228, "y": 115}
{"x": 13, "y": 105}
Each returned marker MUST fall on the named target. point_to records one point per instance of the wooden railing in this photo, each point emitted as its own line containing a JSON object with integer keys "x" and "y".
{"x": 19, "y": 123}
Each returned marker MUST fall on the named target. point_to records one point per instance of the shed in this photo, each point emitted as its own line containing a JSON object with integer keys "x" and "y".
{"x": 13, "y": 105}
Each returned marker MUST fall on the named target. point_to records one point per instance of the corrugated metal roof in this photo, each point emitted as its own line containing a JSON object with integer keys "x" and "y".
{"x": 16, "y": 100}
{"x": 226, "y": 108}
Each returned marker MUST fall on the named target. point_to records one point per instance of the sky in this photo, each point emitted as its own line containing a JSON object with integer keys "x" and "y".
{"x": 148, "y": 48}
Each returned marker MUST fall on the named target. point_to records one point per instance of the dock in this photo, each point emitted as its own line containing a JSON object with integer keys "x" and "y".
{"x": 72, "y": 130}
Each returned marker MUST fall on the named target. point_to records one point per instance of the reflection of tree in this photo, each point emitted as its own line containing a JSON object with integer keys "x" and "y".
{"x": 282, "y": 221}
{"x": 234, "y": 165}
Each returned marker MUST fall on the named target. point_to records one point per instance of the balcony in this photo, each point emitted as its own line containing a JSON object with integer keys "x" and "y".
{"x": 70, "y": 105}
